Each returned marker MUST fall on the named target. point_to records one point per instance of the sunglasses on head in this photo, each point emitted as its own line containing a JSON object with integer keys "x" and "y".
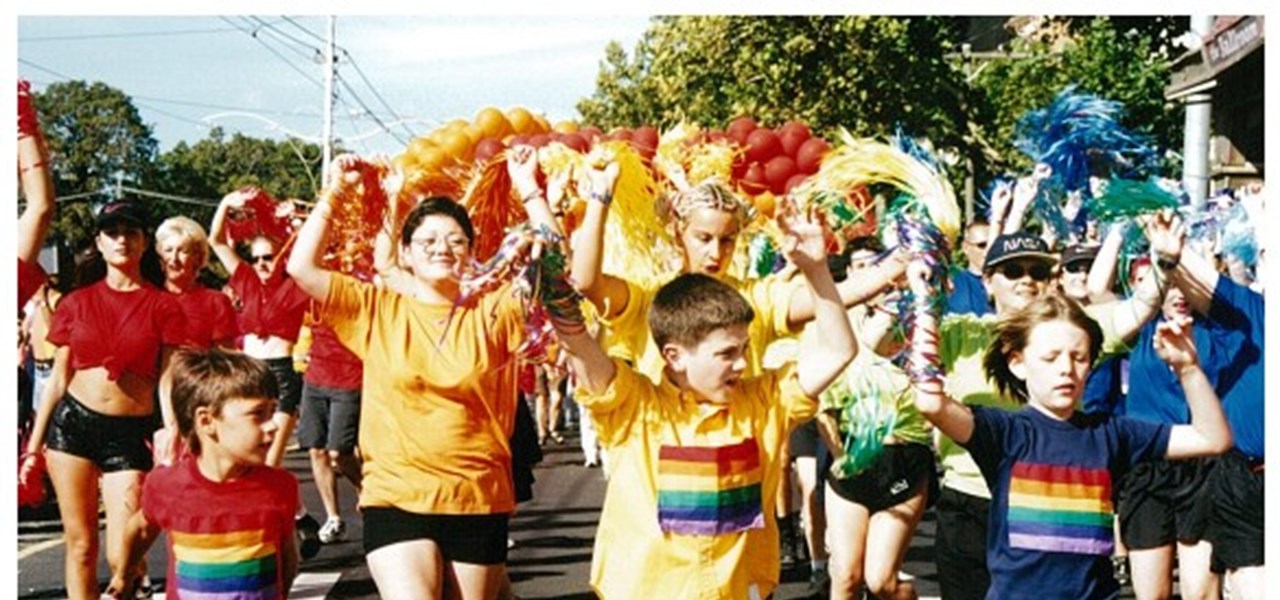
{"x": 257, "y": 258}
{"x": 1080, "y": 266}
{"x": 1015, "y": 271}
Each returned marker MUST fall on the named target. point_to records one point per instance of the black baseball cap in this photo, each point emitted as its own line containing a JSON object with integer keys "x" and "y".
{"x": 1079, "y": 252}
{"x": 1016, "y": 245}
{"x": 128, "y": 211}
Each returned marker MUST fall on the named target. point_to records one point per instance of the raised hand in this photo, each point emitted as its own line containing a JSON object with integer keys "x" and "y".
{"x": 600, "y": 180}
{"x": 1175, "y": 344}
{"x": 522, "y": 165}
{"x": 1167, "y": 234}
{"x": 805, "y": 243}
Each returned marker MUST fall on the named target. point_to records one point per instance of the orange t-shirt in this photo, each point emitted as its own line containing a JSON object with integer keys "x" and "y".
{"x": 439, "y": 396}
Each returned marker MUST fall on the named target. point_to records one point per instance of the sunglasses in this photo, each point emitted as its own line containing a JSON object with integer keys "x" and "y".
{"x": 1081, "y": 266}
{"x": 263, "y": 258}
{"x": 1015, "y": 271}
{"x": 979, "y": 245}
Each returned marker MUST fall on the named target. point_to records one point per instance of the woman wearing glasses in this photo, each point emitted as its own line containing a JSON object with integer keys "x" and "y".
{"x": 272, "y": 309}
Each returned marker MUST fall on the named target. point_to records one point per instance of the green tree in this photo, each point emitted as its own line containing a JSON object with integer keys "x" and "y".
{"x": 96, "y": 140}
{"x": 865, "y": 74}
{"x": 1126, "y": 63}
{"x": 216, "y": 165}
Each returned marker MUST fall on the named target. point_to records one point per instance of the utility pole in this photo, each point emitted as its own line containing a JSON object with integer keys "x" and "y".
{"x": 330, "y": 66}
{"x": 1196, "y": 131}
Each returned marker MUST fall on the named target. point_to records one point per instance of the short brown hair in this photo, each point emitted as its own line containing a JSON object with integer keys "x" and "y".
{"x": 1014, "y": 329}
{"x": 209, "y": 378}
{"x": 691, "y": 306}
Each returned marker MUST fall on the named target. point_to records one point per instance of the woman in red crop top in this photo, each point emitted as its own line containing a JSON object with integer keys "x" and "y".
{"x": 272, "y": 308}
{"x": 113, "y": 340}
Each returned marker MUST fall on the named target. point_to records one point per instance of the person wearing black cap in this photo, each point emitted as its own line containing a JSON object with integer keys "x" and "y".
{"x": 1018, "y": 268}
{"x": 1077, "y": 259}
{"x": 113, "y": 339}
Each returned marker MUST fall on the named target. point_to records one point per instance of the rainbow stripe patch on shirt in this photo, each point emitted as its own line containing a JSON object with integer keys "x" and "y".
{"x": 223, "y": 566}
{"x": 1060, "y": 508}
{"x": 710, "y": 490}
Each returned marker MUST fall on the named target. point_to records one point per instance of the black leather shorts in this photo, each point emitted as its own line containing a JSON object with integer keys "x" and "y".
{"x": 112, "y": 443}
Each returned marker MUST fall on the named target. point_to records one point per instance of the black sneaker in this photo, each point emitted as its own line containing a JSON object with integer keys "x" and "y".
{"x": 787, "y": 541}
{"x": 308, "y": 530}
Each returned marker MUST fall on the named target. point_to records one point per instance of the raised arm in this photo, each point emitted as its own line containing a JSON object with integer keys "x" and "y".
{"x": 222, "y": 246}
{"x": 1024, "y": 192}
{"x": 853, "y": 291}
{"x": 952, "y": 418}
{"x": 34, "y": 175}
{"x": 608, "y": 293}
{"x": 304, "y": 262}
{"x": 1102, "y": 275}
{"x": 1129, "y": 315}
{"x": 829, "y": 344}
{"x": 1208, "y": 433}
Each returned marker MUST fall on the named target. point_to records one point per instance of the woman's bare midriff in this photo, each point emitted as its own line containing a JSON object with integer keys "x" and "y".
{"x": 268, "y": 347}
{"x": 129, "y": 396}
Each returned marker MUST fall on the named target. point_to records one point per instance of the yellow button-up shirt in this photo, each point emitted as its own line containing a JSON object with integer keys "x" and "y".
{"x": 634, "y": 557}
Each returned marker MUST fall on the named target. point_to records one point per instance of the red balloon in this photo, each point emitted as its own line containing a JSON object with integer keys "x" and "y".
{"x": 539, "y": 140}
{"x": 518, "y": 139}
{"x": 762, "y": 145}
{"x": 778, "y": 171}
{"x": 575, "y": 141}
{"x": 796, "y": 127}
{"x": 740, "y": 128}
{"x": 717, "y": 136}
{"x": 591, "y": 133}
{"x": 739, "y": 168}
{"x": 755, "y": 180}
{"x": 809, "y": 156}
{"x": 792, "y": 139}
{"x": 795, "y": 180}
{"x": 488, "y": 148}
{"x": 645, "y": 135}
{"x": 620, "y": 134}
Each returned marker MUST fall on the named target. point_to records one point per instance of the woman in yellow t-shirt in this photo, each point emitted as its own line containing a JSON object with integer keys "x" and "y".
{"x": 440, "y": 387}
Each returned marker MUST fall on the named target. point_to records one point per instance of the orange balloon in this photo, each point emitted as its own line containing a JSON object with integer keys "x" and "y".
{"x": 458, "y": 145}
{"x": 475, "y": 133}
{"x": 493, "y": 122}
{"x": 419, "y": 144}
{"x": 541, "y": 124}
{"x": 521, "y": 119}
{"x": 404, "y": 163}
{"x": 437, "y": 136}
{"x": 456, "y": 124}
{"x": 765, "y": 203}
{"x": 566, "y": 127}
{"x": 431, "y": 159}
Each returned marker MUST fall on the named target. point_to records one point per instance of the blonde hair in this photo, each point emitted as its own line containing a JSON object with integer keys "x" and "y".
{"x": 187, "y": 228}
{"x": 710, "y": 194}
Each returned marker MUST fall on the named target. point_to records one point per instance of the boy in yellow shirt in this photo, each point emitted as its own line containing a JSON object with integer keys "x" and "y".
{"x": 688, "y": 512}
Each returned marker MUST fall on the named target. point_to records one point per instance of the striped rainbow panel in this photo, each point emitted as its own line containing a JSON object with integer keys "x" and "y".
{"x": 710, "y": 490}
{"x": 237, "y": 565}
{"x": 1060, "y": 508}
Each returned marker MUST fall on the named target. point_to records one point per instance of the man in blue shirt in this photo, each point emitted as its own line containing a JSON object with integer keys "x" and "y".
{"x": 968, "y": 295}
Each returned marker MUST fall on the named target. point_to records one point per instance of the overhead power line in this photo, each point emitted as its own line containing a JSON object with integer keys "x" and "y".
{"x": 132, "y": 34}
{"x": 373, "y": 89}
{"x": 253, "y": 34}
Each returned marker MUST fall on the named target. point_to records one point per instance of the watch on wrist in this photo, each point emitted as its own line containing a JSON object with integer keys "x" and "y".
{"x": 1166, "y": 263}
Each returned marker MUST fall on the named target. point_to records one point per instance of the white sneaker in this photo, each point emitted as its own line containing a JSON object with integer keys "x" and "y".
{"x": 334, "y": 530}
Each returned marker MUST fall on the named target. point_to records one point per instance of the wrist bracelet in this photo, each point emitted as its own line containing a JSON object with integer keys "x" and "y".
{"x": 604, "y": 199}
{"x": 1167, "y": 264}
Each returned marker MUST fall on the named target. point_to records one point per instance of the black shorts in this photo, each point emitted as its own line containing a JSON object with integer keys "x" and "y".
{"x": 290, "y": 383}
{"x": 330, "y": 418}
{"x": 895, "y": 477}
{"x": 1161, "y": 502}
{"x": 471, "y": 539}
{"x": 112, "y": 443}
{"x": 1236, "y": 521}
{"x": 804, "y": 439}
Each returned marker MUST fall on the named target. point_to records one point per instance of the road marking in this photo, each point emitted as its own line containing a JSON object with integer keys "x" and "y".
{"x": 38, "y": 547}
{"x": 313, "y": 586}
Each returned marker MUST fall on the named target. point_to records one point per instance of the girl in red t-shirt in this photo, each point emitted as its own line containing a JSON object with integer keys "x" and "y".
{"x": 113, "y": 341}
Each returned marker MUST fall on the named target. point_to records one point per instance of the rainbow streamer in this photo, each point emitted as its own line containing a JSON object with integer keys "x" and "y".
{"x": 865, "y": 418}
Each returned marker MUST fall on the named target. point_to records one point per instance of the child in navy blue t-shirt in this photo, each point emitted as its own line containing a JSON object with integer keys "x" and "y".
{"x": 1050, "y": 468}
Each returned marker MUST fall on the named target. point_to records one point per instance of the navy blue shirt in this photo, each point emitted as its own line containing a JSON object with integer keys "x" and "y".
{"x": 1049, "y": 532}
{"x": 1241, "y": 313}
{"x": 1155, "y": 394}
{"x": 1104, "y": 391}
{"x": 968, "y": 295}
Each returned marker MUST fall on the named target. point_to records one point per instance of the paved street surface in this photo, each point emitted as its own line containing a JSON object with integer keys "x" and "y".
{"x": 553, "y": 534}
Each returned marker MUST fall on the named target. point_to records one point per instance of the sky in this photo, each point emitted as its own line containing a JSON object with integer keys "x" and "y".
{"x": 263, "y": 75}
